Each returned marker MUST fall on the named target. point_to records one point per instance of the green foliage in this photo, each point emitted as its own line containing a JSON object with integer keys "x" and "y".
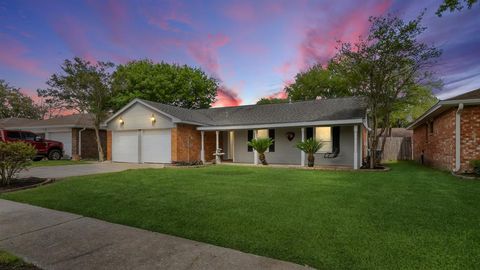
{"x": 475, "y": 163}
{"x": 264, "y": 101}
{"x": 318, "y": 81}
{"x": 261, "y": 145}
{"x": 412, "y": 105}
{"x": 14, "y": 103}
{"x": 454, "y": 5}
{"x": 14, "y": 157}
{"x": 310, "y": 146}
{"x": 172, "y": 84}
{"x": 84, "y": 87}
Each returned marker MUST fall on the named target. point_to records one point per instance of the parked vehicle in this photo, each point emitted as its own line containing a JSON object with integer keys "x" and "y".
{"x": 53, "y": 150}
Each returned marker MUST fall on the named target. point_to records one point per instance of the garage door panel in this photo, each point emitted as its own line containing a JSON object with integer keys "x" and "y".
{"x": 156, "y": 146}
{"x": 125, "y": 146}
{"x": 65, "y": 138}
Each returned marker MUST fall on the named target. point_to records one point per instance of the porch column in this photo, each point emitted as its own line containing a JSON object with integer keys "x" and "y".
{"x": 202, "y": 149}
{"x": 217, "y": 145}
{"x": 255, "y": 153}
{"x": 302, "y": 154}
{"x": 355, "y": 147}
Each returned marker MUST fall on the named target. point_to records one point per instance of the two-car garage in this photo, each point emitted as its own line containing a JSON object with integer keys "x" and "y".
{"x": 142, "y": 146}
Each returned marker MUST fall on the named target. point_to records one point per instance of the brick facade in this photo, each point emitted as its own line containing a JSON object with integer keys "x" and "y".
{"x": 89, "y": 143}
{"x": 436, "y": 139}
{"x": 109, "y": 145}
{"x": 186, "y": 143}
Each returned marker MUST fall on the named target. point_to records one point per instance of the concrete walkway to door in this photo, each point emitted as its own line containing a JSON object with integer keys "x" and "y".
{"x": 58, "y": 240}
{"x": 83, "y": 169}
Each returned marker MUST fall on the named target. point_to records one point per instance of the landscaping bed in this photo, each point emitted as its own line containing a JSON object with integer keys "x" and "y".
{"x": 24, "y": 183}
{"x": 11, "y": 262}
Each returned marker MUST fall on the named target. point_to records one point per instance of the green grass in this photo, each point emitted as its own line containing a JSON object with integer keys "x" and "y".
{"x": 61, "y": 162}
{"x": 409, "y": 218}
{"x": 11, "y": 262}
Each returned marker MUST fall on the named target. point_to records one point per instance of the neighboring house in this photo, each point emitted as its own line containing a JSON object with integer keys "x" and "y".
{"x": 74, "y": 131}
{"x": 447, "y": 136}
{"x": 145, "y": 131}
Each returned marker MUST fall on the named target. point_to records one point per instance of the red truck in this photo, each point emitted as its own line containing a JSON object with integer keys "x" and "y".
{"x": 53, "y": 150}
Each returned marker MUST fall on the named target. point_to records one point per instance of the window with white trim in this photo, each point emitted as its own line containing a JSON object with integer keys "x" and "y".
{"x": 324, "y": 135}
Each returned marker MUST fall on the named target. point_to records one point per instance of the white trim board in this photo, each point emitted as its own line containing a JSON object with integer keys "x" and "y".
{"x": 295, "y": 124}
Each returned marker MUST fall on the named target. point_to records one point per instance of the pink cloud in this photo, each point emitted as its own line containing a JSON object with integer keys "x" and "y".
{"x": 114, "y": 13}
{"x": 166, "y": 16}
{"x": 241, "y": 11}
{"x": 75, "y": 36}
{"x": 248, "y": 12}
{"x": 205, "y": 51}
{"x": 227, "y": 97}
{"x": 13, "y": 55}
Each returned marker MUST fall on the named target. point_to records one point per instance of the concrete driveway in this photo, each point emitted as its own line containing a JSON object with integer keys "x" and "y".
{"x": 58, "y": 172}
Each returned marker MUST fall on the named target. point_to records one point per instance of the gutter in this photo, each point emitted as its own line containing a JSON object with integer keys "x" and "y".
{"x": 458, "y": 136}
{"x": 80, "y": 141}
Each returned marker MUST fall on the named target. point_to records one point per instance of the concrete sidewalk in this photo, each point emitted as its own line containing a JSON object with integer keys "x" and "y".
{"x": 58, "y": 240}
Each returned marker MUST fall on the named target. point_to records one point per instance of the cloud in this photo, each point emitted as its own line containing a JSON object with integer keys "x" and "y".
{"x": 114, "y": 14}
{"x": 169, "y": 17}
{"x": 13, "y": 55}
{"x": 226, "y": 97}
{"x": 74, "y": 34}
{"x": 205, "y": 51}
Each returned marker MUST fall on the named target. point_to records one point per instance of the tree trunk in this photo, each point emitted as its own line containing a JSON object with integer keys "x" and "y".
{"x": 99, "y": 145}
{"x": 311, "y": 160}
{"x": 262, "y": 159}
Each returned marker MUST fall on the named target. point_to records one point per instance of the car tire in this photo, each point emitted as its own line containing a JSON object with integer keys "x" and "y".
{"x": 55, "y": 154}
{"x": 37, "y": 158}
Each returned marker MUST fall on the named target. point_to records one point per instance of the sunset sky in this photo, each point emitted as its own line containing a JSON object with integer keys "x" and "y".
{"x": 253, "y": 47}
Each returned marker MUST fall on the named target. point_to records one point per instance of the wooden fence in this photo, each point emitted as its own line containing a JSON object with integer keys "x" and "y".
{"x": 397, "y": 148}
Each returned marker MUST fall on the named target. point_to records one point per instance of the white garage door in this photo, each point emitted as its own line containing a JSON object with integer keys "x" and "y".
{"x": 156, "y": 146}
{"x": 65, "y": 138}
{"x": 125, "y": 146}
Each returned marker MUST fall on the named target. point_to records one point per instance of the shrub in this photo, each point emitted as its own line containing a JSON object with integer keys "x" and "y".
{"x": 261, "y": 145}
{"x": 14, "y": 157}
{"x": 476, "y": 165}
{"x": 310, "y": 146}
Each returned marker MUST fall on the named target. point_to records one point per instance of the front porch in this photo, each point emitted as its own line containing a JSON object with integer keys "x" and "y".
{"x": 342, "y": 145}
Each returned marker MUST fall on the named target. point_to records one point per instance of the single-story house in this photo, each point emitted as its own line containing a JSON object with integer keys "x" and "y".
{"x": 74, "y": 131}
{"x": 150, "y": 132}
{"x": 447, "y": 136}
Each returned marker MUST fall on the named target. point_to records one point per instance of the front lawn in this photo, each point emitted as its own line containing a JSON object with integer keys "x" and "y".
{"x": 11, "y": 262}
{"x": 409, "y": 218}
{"x": 62, "y": 162}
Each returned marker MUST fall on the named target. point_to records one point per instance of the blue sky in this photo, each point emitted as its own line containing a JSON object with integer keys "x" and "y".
{"x": 254, "y": 47}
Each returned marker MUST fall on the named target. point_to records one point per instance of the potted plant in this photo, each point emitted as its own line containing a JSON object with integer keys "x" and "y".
{"x": 261, "y": 145}
{"x": 476, "y": 166}
{"x": 310, "y": 146}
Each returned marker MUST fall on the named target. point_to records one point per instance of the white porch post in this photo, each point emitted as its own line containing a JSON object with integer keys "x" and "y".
{"x": 202, "y": 150}
{"x": 217, "y": 145}
{"x": 355, "y": 147}
{"x": 302, "y": 154}
{"x": 255, "y": 153}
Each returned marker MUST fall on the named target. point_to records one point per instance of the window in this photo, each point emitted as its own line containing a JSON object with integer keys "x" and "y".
{"x": 271, "y": 135}
{"x": 324, "y": 135}
{"x": 309, "y": 133}
{"x": 249, "y": 138}
{"x": 29, "y": 136}
{"x": 262, "y": 133}
{"x": 14, "y": 135}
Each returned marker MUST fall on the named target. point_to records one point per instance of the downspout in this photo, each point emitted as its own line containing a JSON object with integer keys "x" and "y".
{"x": 458, "y": 137}
{"x": 80, "y": 142}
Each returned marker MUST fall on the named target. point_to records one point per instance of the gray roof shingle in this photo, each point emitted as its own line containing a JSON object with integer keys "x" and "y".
{"x": 475, "y": 94}
{"x": 74, "y": 120}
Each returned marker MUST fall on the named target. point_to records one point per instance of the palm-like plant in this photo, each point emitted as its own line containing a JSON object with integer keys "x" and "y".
{"x": 310, "y": 146}
{"x": 261, "y": 145}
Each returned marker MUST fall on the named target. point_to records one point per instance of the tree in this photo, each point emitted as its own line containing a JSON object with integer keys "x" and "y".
{"x": 16, "y": 104}
{"x": 310, "y": 146}
{"x": 172, "y": 84}
{"x": 318, "y": 82}
{"x": 264, "y": 101}
{"x": 454, "y": 5}
{"x": 84, "y": 87}
{"x": 411, "y": 106}
{"x": 261, "y": 145}
{"x": 385, "y": 67}
{"x": 14, "y": 157}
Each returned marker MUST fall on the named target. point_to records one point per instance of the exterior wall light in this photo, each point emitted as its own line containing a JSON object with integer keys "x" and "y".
{"x": 121, "y": 121}
{"x": 153, "y": 119}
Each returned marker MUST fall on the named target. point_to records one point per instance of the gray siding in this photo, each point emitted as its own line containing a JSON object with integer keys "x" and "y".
{"x": 138, "y": 117}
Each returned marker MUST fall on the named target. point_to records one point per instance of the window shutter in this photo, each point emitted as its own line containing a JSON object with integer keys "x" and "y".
{"x": 271, "y": 135}
{"x": 336, "y": 138}
{"x": 250, "y": 138}
{"x": 309, "y": 133}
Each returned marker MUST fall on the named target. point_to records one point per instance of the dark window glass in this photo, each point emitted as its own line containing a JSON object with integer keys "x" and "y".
{"x": 29, "y": 136}
{"x": 336, "y": 138}
{"x": 271, "y": 135}
{"x": 309, "y": 132}
{"x": 250, "y": 138}
{"x": 14, "y": 135}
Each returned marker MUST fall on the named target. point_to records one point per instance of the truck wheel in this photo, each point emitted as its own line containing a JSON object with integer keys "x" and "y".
{"x": 54, "y": 154}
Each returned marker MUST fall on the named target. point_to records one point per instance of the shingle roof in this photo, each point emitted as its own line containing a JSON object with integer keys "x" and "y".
{"x": 475, "y": 94}
{"x": 74, "y": 120}
{"x": 304, "y": 111}
{"x": 8, "y": 122}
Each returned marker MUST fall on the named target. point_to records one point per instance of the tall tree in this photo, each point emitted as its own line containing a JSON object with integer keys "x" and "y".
{"x": 172, "y": 84}
{"x": 454, "y": 5}
{"x": 16, "y": 104}
{"x": 386, "y": 66}
{"x": 84, "y": 87}
{"x": 318, "y": 81}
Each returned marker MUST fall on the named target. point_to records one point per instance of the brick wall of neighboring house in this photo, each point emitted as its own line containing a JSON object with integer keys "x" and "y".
{"x": 438, "y": 146}
{"x": 89, "y": 143}
{"x": 186, "y": 143}
{"x": 109, "y": 145}
{"x": 470, "y": 141}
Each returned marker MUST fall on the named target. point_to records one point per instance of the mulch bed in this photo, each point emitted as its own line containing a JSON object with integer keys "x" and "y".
{"x": 469, "y": 176}
{"x": 24, "y": 183}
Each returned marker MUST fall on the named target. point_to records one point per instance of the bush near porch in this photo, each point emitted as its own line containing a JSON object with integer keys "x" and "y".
{"x": 411, "y": 217}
